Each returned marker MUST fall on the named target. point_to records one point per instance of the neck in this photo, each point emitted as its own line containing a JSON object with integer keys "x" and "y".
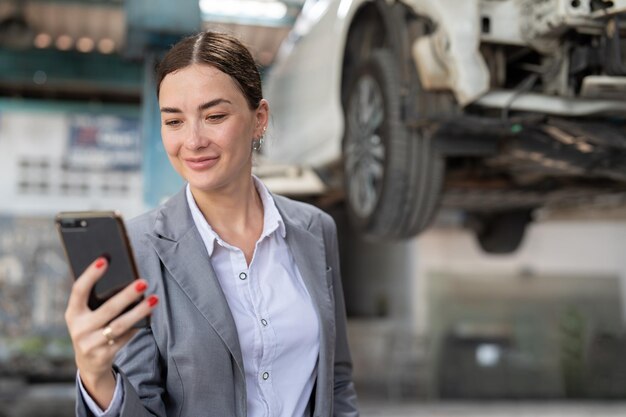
{"x": 233, "y": 208}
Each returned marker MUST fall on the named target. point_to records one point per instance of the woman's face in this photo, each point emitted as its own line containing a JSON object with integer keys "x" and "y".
{"x": 207, "y": 127}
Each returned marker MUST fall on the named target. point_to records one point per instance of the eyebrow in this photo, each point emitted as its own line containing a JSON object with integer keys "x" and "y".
{"x": 201, "y": 107}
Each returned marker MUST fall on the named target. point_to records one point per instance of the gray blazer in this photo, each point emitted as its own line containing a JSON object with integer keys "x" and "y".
{"x": 188, "y": 363}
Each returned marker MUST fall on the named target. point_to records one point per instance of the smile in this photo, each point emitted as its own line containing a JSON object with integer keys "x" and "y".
{"x": 199, "y": 164}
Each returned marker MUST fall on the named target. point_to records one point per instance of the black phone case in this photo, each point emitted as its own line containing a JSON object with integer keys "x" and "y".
{"x": 87, "y": 236}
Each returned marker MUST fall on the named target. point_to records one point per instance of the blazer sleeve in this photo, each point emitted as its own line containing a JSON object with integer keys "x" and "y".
{"x": 139, "y": 362}
{"x": 141, "y": 370}
{"x": 344, "y": 393}
{"x": 138, "y": 365}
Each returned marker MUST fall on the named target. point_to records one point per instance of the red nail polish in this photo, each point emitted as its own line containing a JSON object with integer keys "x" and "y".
{"x": 141, "y": 286}
{"x": 100, "y": 263}
{"x": 152, "y": 300}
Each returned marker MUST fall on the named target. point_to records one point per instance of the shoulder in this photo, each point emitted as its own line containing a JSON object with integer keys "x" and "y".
{"x": 139, "y": 230}
{"x": 293, "y": 207}
{"x": 142, "y": 224}
{"x": 306, "y": 216}
{"x": 301, "y": 211}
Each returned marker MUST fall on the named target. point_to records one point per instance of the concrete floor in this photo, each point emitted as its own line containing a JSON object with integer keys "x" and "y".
{"x": 58, "y": 401}
{"x": 494, "y": 409}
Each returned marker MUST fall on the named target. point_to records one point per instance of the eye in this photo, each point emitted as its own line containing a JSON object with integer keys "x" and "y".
{"x": 172, "y": 122}
{"x": 215, "y": 117}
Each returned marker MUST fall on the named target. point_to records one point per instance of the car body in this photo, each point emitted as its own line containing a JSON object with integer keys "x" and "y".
{"x": 495, "y": 107}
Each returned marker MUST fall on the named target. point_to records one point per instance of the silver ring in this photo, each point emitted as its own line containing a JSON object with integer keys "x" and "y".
{"x": 107, "y": 333}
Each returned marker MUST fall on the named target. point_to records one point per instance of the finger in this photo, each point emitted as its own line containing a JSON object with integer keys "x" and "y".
{"x": 121, "y": 341}
{"x": 81, "y": 288}
{"x": 97, "y": 346}
{"x": 115, "y": 305}
{"x": 125, "y": 322}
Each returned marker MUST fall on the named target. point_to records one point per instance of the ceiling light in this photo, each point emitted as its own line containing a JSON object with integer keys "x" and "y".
{"x": 245, "y": 8}
{"x": 106, "y": 46}
{"x": 43, "y": 40}
{"x": 64, "y": 42}
{"x": 85, "y": 44}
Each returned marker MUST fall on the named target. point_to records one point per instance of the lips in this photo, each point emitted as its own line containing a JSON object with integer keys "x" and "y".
{"x": 201, "y": 163}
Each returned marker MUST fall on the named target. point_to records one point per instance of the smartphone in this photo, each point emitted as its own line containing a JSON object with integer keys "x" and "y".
{"x": 88, "y": 235}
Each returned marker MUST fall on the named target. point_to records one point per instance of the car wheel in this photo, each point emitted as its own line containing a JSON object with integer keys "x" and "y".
{"x": 393, "y": 175}
{"x": 502, "y": 232}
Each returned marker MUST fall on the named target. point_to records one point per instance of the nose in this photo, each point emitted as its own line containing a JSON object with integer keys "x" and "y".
{"x": 196, "y": 138}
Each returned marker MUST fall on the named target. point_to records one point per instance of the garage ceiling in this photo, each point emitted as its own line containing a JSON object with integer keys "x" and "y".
{"x": 99, "y": 26}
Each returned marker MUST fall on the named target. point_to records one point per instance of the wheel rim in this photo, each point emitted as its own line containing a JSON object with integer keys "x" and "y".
{"x": 364, "y": 149}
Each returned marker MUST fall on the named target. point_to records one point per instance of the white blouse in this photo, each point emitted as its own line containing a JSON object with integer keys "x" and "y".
{"x": 276, "y": 322}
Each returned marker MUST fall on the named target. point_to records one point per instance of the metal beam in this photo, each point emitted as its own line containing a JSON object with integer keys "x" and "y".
{"x": 54, "y": 69}
{"x": 112, "y": 3}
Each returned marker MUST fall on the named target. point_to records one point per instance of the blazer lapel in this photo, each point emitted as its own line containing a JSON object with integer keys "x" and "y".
{"x": 308, "y": 252}
{"x": 182, "y": 251}
{"x": 305, "y": 239}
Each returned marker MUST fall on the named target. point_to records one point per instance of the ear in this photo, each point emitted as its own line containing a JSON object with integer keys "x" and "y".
{"x": 262, "y": 117}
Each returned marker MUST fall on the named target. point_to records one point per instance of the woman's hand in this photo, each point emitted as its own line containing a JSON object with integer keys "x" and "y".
{"x": 98, "y": 335}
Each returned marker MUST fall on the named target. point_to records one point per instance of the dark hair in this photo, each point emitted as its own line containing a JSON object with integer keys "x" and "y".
{"x": 218, "y": 50}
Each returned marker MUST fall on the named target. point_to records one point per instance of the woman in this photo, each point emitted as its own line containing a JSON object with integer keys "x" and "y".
{"x": 247, "y": 311}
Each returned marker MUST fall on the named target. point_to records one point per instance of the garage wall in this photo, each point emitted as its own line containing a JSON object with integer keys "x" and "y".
{"x": 571, "y": 247}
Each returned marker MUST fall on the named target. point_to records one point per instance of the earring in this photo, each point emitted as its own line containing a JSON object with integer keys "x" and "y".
{"x": 258, "y": 143}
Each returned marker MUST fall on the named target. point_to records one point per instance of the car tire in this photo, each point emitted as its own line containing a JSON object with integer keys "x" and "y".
{"x": 393, "y": 175}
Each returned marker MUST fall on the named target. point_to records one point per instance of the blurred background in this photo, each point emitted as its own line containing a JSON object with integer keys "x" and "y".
{"x": 476, "y": 172}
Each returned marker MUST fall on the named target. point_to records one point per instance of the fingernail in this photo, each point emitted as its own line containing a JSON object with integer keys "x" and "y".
{"x": 141, "y": 286}
{"x": 152, "y": 300}
{"x": 100, "y": 263}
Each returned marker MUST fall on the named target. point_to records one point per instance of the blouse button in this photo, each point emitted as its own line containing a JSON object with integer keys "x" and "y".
{"x": 264, "y": 322}
{"x": 265, "y": 376}
{"x": 243, "y": 276}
